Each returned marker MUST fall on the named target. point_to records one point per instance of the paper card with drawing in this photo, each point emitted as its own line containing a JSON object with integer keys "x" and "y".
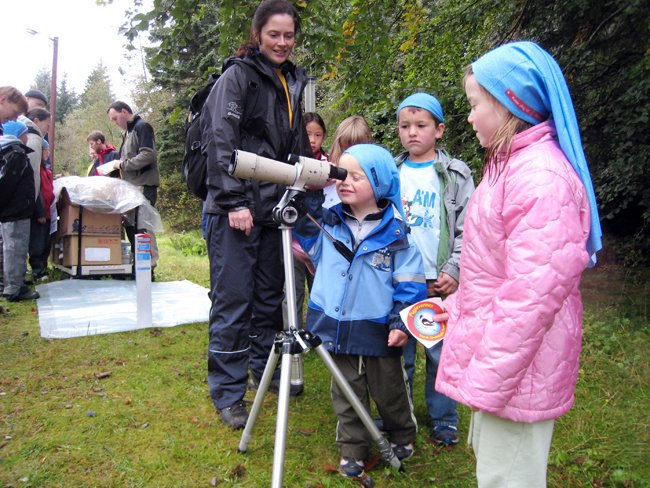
{"x": 418, "y": 319}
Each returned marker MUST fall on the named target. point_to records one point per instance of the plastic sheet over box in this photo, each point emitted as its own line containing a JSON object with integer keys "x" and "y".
{"x": 109, "y": 195}
{"x": 75, "y": 308}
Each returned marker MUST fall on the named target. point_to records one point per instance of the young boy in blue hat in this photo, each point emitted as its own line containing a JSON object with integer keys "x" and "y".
{"x": 354, "y": 305}
{"x": 435, "y": 192}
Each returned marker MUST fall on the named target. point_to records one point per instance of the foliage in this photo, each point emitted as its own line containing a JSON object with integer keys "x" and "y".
{"x": 66, "y": 99}
{"x": 367, "y": 55}
{"x": 72, "y": 148}
{"x": 189, "y": 243}
{"x": 181, "y": 210}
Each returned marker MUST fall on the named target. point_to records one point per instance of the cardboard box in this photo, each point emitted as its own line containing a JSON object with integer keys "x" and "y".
{"x": 95, "y": 250}
{"x": 92, "y": 223}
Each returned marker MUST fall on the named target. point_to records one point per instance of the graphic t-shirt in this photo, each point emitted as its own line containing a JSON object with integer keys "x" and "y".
{"x": 420, "y": 188}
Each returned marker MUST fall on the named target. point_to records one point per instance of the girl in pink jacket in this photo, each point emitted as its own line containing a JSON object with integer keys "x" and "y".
{"x": 513, "y": 343}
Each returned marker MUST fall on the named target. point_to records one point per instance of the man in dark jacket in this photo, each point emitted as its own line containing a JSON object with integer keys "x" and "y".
{"x": 138, "y": 163}
{"x": 17, "y": 197}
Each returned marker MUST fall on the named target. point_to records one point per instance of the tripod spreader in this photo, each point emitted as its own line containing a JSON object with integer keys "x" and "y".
{"x": 295, "y": 341}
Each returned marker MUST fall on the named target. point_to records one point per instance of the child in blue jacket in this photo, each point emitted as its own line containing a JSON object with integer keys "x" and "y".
{"x": 354, "y": 305}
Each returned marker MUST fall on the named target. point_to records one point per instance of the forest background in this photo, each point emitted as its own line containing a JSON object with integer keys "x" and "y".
{"x": 366, "y": 56}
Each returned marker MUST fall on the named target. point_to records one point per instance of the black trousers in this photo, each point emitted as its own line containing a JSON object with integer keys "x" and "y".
{"x": 39, "y": 246}
{"x": 246, "y": 280}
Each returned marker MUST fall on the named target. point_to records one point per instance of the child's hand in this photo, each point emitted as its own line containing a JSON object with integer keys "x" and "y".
{"x": 444, "y": 285}
{"x": 397, "y": 338}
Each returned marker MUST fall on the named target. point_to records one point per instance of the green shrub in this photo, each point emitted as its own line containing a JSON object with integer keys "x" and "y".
{"x": 189, "y": 243}
{"x": 180, "y": 210}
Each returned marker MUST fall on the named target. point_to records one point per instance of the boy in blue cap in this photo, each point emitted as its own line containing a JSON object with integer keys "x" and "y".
{"x": 17, "y": 199}
{"x": 435, "y": 192}
{"x": 354, "y": 304}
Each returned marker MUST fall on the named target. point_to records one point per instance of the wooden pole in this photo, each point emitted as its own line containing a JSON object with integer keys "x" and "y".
{"x": 51, "y": 131}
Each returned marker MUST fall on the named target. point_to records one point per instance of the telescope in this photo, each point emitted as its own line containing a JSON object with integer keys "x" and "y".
{"x": 296, "y": 173}
{"x": 290, "y": 344}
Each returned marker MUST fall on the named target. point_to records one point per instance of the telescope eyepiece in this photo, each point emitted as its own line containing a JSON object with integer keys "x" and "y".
{"x": 337, "y": 173}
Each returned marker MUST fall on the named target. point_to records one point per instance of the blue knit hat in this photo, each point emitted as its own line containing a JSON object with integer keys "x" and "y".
{"x": 425, "y": 101}
{"x": 14, "y": 128}
{"x": 529, "y": 83}
{"x": 379, "y": 166}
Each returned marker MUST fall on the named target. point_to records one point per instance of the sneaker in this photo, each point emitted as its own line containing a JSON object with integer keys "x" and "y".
{"x": 351, "y": 468}
{"x": 403, "y": 451}
{"x": 445, "y": 435}
{"x": 24, "y": 294}
{"x": 235, "y": 416}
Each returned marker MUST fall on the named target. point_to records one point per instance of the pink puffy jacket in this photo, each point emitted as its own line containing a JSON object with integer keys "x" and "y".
{"x": 515, "y": 330}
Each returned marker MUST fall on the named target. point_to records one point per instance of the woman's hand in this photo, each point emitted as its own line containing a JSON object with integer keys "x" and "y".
{"x": 397, "y": 338}
{"x": 241, "y": 220}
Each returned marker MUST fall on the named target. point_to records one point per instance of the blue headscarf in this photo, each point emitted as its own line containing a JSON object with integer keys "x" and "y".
{"x": 424, "y": 101}
{"x": 379, "y": 166}
{"x": 529, "y": 83}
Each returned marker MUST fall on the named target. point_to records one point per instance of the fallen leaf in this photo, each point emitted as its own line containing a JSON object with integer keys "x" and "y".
{"x": 101, "y": 376}
{"x": 238, "y": 471}
{"x": 215, "y": 481}
{"x": 305, "y": 431}
{"x": 120, "y": 361}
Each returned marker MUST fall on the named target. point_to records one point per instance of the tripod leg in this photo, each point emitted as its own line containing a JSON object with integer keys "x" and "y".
{"x": 384, "y": 446}
{"x": 281, "y": 422}
{"x": 263, "y": 387}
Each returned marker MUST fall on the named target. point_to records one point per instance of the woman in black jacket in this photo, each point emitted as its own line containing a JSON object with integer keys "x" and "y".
{"x": 255, "y": 106}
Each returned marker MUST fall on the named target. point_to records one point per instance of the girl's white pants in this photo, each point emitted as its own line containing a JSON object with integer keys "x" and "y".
{"x": 510, "y": 454}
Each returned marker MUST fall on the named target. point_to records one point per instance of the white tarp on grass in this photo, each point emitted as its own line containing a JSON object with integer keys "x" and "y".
{"x": 75, "y": 308}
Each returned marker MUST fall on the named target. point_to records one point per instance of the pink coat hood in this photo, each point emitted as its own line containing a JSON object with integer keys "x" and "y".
{"x": 515, "y": 330}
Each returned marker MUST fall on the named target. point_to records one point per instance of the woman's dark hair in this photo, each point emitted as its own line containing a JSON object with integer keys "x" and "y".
{"x": 264, "y": 12}
{"x": 38, "y": 113}
{"x": 314, "y": 117}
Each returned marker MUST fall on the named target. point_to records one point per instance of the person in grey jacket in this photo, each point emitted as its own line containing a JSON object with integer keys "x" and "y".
{"x": 138, "y": 163}
{"x": 254, "y": 106}
{"x": 435, "y": 193}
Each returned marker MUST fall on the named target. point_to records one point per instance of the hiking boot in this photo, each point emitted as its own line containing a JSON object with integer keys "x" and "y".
{"x": 235, "y": 416}
{"x": 352, "y": 468}
{"x": 445, "y": 435}
{"x": 403, "y": 451}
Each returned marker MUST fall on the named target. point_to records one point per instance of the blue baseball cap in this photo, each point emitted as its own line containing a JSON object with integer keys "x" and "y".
{"x": 424, "y": 101}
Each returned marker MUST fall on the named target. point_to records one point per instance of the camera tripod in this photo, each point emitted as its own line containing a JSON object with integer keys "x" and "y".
{"x": 291, "y": 342}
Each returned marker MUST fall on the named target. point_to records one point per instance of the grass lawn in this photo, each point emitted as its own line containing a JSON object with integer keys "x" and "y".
{"x": 132, "y": 409}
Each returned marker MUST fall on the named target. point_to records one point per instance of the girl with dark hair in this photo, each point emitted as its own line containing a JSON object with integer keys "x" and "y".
{"x": 255, "y": 106}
